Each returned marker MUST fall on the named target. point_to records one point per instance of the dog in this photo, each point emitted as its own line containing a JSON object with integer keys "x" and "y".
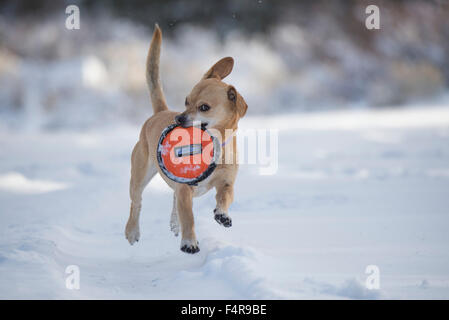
{"x": 218, "y": 106}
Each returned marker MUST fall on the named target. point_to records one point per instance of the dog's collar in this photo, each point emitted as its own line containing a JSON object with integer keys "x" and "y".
{"x": 228, "y": 139}
{"x": 203, "y": 127}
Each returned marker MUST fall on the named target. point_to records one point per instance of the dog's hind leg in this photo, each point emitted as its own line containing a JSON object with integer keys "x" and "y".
{"x": 174, "y": 219}
{"x": 142, "y": 171}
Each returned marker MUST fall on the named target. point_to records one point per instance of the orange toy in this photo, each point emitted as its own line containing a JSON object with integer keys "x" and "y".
{"x": 187, "y": 155}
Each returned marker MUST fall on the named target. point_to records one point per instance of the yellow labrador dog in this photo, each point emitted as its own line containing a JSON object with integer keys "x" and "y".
{"x": 218, "y": 106}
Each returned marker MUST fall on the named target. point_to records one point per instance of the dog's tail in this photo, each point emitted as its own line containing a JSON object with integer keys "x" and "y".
{"x": 152, "y": 73}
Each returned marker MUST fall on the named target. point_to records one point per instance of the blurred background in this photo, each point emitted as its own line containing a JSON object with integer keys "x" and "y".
{"x": 291, "y": 56}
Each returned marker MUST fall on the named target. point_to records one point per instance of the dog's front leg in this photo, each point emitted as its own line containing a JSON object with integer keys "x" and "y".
{"x": 184, "y": 202}
{"x": 224, "y": 197}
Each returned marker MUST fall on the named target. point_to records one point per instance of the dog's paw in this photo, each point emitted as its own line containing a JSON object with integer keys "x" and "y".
{"x": 222, "y": 218}
{"x": 132, "y": 233}
{"x": 190, "y": 246}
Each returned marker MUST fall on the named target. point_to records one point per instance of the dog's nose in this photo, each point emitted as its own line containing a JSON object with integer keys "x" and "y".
{"x": 180, "y": 119}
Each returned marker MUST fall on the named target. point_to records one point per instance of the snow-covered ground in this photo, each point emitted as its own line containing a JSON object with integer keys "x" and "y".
{"x": 354, "y": 188}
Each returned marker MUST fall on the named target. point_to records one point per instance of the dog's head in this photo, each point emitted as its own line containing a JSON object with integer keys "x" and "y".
{"x": 212, "y": 102}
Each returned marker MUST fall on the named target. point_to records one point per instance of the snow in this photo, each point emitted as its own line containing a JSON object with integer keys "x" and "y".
{"x": 16, "y": 182}
{"x": 353, "y": 189}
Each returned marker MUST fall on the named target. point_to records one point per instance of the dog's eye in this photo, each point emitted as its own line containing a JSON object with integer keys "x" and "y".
{"x": 204, "y": 107}
{"x": 186, "y": 102}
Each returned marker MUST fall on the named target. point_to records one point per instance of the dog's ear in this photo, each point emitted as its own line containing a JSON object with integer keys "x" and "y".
{"x": 237, "y": 100}
{"x": 221, "y": 69}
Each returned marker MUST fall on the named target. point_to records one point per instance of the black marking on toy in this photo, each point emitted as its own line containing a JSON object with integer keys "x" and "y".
{"x": 188, "y": 150}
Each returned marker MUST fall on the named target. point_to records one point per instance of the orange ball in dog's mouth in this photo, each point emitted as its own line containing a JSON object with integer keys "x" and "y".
{"x": 187, "y": 155}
